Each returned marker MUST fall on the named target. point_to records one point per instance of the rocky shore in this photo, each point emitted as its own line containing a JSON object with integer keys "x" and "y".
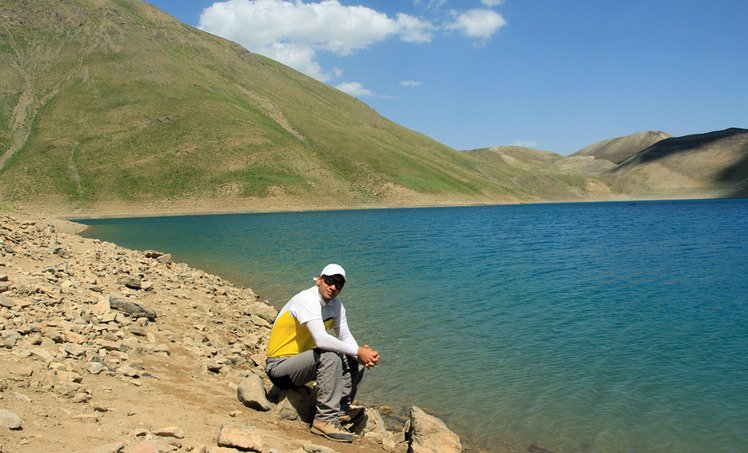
{"x": 105, "y": 349}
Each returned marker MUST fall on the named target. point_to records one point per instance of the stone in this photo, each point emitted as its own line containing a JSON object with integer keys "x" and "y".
{"x": 251, "y": 392}
{"x": 21, "y": 397}
{"x": 375, "y": 424}
{"x": 170, "y": 431}
{"x": 95, "y": 367}
{"x": 6, "y": 301}
{"x": 165, "y": 259}
{"x": 144, "y": 446}
{"x": 114, "y": 447}
{"x": 129, "y": 371}
{"x": 125, "y": 305}
{"x": 311, "y": 448}
{"x": 428, "y": 434}
{"x": 129, "y": 282}
{"x": 241, "y": 437}
{"x": 41, "y": 354}
{"x": 295, "y": 403}
{"x": 264, "y": 311}
{"x": 9, "y": 338}
{"x": 74, "y": 350}
{"x": 535, "y": 448}
{"x": 9, "y": 419}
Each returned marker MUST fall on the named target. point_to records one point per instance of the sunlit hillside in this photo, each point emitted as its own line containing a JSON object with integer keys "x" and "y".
{"x": 115, "y": 106}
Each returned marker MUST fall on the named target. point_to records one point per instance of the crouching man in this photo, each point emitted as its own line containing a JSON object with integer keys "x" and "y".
{"x": 300, "y": 350}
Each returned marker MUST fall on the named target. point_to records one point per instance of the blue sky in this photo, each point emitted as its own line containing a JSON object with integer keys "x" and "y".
{"x": 556, "y": 75}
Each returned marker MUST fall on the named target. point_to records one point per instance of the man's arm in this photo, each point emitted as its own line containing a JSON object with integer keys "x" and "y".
{"x": 324, "y": 340}
{"x": 363, "y": 354}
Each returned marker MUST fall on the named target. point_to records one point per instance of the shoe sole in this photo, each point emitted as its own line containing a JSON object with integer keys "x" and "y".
{"x": 327, "y": 436}
{"x": 355, "y": 419}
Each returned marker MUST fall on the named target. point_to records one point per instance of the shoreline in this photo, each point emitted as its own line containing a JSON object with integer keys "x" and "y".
{"x": 121, "y": 210}
{"x": 161, "y": 355}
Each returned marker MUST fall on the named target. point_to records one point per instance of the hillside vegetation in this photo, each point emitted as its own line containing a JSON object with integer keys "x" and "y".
{"x": 115, "y": 106}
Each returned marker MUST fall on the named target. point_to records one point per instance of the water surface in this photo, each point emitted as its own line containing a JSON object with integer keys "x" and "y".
{"x": 601, "y": 327}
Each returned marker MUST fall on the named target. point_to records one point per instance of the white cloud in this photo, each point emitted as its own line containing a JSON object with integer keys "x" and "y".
{"x": 525, "y": 143}
{"x": 293, "y": 32}
{"x": 355, "y": 89}
{"x": 478, "y": 23}
{"x": 433, "y": 4}
{"x": 410, "y": 83}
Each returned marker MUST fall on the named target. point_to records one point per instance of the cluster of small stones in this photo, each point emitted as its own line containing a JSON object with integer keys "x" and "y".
{"x": 73, "y": 309}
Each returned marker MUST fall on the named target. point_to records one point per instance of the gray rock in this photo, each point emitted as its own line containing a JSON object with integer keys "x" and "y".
{"x": 165, "y": 259}
{"x": 9, "y": 338}
{"x": 6, "y": 301}
{"x": 96, "y": 367}
{"x": 73, "y": 349}
{"x": 125, "y": 305}
{"x": 264, "y": 311}
{"x": 428, "y": 434}
{"x": 9, "y": 420}
{"x": 375, "y": 424}
{"x": 296, "y": 403}
{"x": 241, "y": 437}
{"x": 251, "y": 392}
{"x": 129, "y": 282}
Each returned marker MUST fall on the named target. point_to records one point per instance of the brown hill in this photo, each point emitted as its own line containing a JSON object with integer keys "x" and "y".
{"x": 620, "y": 149}
{"x": 713, "y": 164}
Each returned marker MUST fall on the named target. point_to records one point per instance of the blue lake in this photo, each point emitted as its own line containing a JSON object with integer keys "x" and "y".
{"x": 600, "y": 327}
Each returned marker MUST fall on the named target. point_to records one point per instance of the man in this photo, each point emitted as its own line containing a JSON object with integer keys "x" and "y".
{"x": 300, "y": 350}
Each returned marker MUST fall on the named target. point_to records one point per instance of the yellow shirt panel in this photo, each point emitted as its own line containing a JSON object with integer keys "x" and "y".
{"x": 289, "y": 337}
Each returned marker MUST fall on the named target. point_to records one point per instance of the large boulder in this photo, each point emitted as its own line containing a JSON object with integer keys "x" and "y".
{"x": 428, "y": 434}
{"x": 295, "y": 404}
{"x": 251, "y": 392}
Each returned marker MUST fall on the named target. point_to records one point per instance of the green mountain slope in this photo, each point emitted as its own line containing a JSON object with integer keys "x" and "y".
{"x": 115, "y": 106}
{"x": 115, "y": 101}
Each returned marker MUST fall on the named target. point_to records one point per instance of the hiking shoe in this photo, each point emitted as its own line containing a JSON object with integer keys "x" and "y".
{"x": 331, "y": 430}
{"x": 352, "y": 415}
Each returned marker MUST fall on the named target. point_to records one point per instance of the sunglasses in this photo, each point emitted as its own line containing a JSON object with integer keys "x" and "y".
{"x": 329, "y": 281}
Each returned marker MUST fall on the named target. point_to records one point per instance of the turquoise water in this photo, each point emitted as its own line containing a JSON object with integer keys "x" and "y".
{"x": 600, "y": 327}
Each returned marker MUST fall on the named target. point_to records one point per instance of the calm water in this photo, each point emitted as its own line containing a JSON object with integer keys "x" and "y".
{"x": 601, "y": 327}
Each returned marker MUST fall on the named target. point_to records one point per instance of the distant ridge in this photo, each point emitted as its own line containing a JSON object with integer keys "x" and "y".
{"x": 721, "y": 140}
{"x": 713, "y": 164}
{"x": 619, "y": 149}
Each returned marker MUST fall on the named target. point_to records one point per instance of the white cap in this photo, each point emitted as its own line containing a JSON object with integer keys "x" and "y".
{"x": 334, "y": 269}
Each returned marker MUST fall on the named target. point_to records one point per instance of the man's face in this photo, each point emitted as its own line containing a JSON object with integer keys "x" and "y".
{"x": 330, "y": 286}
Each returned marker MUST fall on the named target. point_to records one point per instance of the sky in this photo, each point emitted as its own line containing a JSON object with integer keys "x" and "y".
{"x": 555, "y": 75}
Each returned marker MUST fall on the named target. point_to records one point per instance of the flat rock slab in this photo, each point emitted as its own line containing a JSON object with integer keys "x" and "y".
{"x": 241, "y": 437}
{"x": 9, "y": 420}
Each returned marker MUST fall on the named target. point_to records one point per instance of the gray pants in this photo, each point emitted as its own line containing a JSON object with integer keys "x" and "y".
{"x": 338, "y": 377}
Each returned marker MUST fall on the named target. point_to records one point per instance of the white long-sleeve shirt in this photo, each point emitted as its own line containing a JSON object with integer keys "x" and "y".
{"x": 303, "y": 323}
